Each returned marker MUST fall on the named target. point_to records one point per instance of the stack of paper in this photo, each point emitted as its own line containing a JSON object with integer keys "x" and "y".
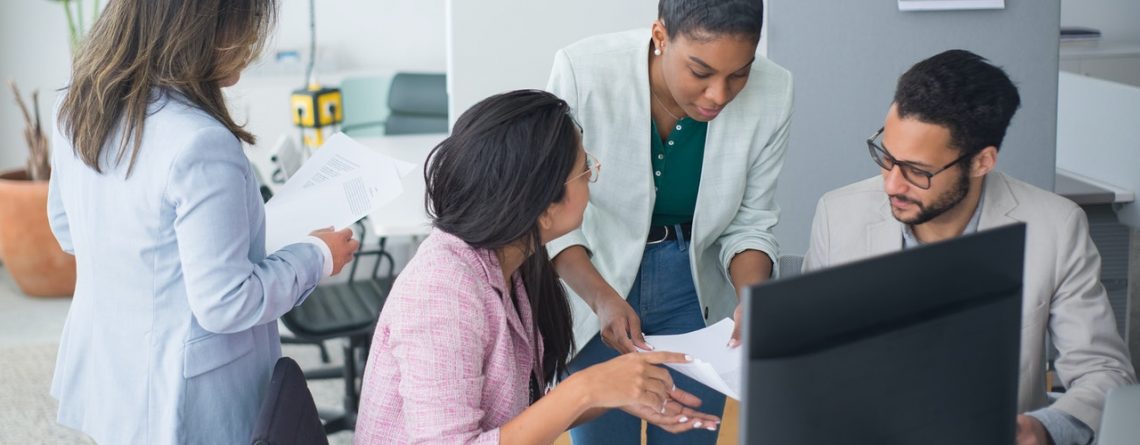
{"x": 714, "y": 363}
{"x": 341, "y": 183}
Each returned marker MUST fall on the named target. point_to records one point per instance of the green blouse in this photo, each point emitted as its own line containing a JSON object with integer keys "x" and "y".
{"x": 677, "y": 170}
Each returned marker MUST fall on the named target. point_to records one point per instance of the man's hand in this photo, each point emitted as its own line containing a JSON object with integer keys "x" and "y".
{"x": 1030, "y": 431}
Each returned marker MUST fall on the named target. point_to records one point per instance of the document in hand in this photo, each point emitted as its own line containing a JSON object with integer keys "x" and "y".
{"x": 714, "y": 363}
{"x": 341, "y": 183}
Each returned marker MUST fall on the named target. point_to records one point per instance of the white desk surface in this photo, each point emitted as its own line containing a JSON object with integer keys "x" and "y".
{"x": 1100, "y": 49}
{"x": 405, "y": 216}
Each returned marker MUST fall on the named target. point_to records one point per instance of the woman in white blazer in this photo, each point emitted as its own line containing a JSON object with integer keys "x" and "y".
{"x": 690, "y": 126}
{"x": 172, "y": 333}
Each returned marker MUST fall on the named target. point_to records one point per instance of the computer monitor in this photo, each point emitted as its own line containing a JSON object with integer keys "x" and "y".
{"x": 916, "y": 347}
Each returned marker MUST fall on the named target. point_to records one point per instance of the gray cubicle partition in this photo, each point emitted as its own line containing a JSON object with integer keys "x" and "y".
{"x": 846, "y": 56}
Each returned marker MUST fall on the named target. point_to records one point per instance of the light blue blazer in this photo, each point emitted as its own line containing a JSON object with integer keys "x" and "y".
{"x": 172, "y": 333}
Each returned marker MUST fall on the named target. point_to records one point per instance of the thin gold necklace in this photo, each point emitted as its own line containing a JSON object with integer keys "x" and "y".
{"x": 662, "y": 104}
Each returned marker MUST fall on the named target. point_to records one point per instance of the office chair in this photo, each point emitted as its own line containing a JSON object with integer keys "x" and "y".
{"x": 1118, "y": 424}
{"x": 789, "y": 265}
{"x": 346, "y": 310}
{"x": 341, "y": 310}
{"x": 417, "y": 104}
{"x": 365, "y": 105}
{"x": 288, "y": 415}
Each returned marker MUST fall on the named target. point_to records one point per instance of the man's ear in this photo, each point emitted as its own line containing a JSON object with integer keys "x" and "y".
{"x": 984, "y": 162}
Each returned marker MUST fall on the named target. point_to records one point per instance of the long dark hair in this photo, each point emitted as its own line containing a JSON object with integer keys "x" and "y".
{"x": 505, "y": 163}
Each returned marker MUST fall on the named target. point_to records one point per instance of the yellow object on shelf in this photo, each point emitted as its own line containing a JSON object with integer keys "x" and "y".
{"x": 318, "y": 111}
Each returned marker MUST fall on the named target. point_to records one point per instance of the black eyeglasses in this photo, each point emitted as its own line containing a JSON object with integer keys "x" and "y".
{"x": 914, "y": 175}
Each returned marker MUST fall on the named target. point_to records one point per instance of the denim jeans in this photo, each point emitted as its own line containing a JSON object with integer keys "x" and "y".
{"x": 665, "y": 300}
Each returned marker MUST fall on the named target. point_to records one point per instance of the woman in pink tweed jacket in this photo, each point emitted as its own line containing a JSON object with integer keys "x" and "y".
{"x": 477, "y": 327}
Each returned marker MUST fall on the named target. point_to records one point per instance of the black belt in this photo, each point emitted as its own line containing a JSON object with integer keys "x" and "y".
{"x": 659, "y": 234}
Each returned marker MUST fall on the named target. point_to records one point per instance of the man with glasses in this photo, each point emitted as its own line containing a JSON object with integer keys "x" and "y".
{"x": 937, "y": 151}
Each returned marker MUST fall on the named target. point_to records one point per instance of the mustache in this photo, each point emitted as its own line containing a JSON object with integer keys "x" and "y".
{"x": 905, "y": 199}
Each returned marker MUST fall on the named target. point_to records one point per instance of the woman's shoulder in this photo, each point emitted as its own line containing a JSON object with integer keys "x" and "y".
{"x": 188, "y": 132}
{"x": 610, "y": 45}
{"x": 444, "y": 267}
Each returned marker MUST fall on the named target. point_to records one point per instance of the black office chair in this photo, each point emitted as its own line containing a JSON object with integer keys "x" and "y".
{"x": 341, "y": 310}
{"x": 346, "y": 310}
{"x": 288, "y": 415}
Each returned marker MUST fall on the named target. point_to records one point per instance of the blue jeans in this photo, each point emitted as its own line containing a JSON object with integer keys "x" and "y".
{"x": 666, "y": 301}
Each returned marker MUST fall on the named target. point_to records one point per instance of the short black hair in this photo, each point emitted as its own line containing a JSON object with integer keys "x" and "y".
{"x": 963, "y": 92}
{"x": 704, "y": 19}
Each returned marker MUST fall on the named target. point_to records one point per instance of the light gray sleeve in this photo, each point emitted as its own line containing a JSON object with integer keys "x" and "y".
{"x": 1063, "y": 428}
{"x": 1092, "y": 358}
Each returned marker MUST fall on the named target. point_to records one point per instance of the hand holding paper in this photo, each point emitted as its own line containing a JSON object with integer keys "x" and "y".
{"x": 341, "y": 183}
{"x": 714, "y": 363}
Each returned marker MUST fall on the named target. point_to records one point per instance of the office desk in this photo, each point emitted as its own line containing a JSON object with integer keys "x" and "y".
{"x": 405, "y": 216}
{"x": 1086, "y": 191}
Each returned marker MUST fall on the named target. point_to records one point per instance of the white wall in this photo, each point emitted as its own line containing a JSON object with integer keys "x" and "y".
{"x": 502, "y": 45}
{"x": 363, "y": 34}
{"x": 1117, "y": 19}
{"x": 34, "y": 53}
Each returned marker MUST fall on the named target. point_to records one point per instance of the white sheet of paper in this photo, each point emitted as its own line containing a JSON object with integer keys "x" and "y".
{"x": 341, "y": 183}
{"x": 714, "y": 363}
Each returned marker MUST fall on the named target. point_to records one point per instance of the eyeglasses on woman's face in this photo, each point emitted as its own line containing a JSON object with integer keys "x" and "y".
{"x": 593, "y": 168}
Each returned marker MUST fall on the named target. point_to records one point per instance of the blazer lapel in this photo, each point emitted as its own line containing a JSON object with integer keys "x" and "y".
{"x": 490, "y": 263}
{"x": 998, "y": 204}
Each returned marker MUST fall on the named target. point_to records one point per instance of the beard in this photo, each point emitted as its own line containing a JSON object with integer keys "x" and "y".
{"x": 941, "y": 204}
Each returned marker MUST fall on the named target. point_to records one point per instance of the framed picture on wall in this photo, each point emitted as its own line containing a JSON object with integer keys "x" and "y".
{"x": 945, "y": 5}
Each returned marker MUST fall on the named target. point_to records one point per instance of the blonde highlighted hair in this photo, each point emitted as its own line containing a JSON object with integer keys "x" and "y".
{"x": 140, "y": 46}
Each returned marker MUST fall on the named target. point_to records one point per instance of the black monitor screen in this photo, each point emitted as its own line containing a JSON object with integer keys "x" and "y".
{"x": 916, "y": 347}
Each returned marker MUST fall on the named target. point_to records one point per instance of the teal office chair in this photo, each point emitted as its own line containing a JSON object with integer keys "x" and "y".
{"x": 789, "y": 265}
{"x": 365, "y": 105}
{"x": 417, "y": 104}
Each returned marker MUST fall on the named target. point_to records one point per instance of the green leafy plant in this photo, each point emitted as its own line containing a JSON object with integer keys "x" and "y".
{"x": 77, "y": 26}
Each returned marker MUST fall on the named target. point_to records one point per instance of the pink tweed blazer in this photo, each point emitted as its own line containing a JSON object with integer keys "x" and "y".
{"x": 451, "y": 358}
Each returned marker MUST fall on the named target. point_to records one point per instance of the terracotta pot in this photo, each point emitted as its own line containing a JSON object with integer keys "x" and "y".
{"x": 28, "y": 248}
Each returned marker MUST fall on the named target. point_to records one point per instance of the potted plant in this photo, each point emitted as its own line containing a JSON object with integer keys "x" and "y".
{"x": 28, "y": 248}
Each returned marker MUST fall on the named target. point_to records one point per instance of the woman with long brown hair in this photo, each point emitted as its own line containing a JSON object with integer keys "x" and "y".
{"x": 172, "y": 333}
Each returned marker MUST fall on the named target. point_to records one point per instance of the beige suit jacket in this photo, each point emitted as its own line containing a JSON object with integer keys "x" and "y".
{"x": 1062, "y": 289}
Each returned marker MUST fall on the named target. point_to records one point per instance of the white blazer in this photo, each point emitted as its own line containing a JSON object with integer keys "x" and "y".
{"x": 172, "y": 333}
{"x": 1062, "y": 292}
{"x": 605, "y": 79}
